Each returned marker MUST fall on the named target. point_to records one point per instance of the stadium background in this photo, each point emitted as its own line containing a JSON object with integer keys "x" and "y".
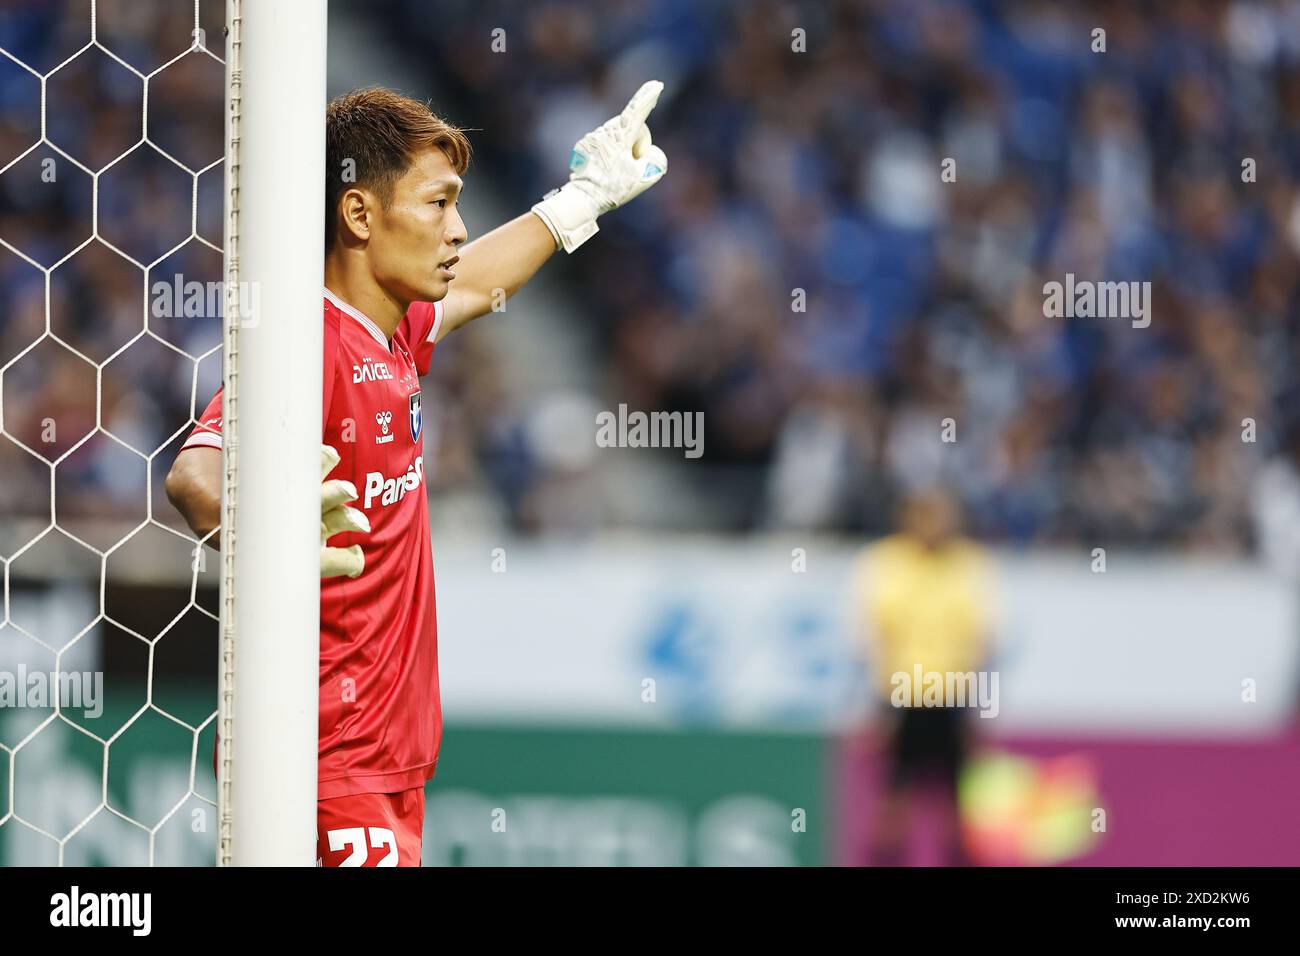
{"x": 569, "y": 574}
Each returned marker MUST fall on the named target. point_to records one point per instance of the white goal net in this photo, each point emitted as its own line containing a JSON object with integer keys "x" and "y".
{"x": 111, "y": 226}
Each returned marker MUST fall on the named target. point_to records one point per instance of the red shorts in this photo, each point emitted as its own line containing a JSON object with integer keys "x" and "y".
{"x": 370, "y": 829}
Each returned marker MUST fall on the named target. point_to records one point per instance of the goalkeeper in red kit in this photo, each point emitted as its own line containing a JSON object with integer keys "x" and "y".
{"x": 398, "y": 278}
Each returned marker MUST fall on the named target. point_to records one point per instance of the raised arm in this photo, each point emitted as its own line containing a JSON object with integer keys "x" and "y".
{"x": 504, "y": 259}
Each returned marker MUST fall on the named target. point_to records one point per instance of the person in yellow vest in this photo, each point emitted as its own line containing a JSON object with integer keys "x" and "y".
{"x": 925, "y": 600}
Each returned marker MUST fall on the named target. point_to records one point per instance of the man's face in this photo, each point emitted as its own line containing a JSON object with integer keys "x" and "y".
{"x": 412, "y": 241}
{"x": 931, "y": 517}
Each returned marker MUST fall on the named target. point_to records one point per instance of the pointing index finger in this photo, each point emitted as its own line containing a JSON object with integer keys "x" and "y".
{"x": 641, "y": 103}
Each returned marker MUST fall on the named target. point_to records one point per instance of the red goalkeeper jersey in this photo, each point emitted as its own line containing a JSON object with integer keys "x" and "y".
{"x": 380, "y": 712}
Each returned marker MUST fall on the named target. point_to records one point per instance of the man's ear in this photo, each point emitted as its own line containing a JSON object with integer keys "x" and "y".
{"x": 354, "y": 209}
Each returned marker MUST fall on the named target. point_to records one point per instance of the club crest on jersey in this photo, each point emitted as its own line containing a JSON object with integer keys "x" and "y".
{"x": 414, "y": 404}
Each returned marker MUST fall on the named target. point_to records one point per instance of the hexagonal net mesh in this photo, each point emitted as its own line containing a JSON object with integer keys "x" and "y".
{"x": 111, "y": 213}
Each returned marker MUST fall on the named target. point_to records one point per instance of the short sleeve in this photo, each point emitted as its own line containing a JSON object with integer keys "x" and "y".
{"x": 207, "y": 433}
{"x": 420, "y": 325}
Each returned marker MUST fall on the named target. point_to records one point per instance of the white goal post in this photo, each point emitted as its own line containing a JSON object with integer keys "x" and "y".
{"x": 270, "y": 585}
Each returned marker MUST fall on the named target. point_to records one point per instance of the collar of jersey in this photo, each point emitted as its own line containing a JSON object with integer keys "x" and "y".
{"x": 360, "y": 316}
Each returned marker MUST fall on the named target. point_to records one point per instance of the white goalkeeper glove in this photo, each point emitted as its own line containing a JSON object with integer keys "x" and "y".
{"x": 335, "y": 518}
{"x": 610, "y": 166}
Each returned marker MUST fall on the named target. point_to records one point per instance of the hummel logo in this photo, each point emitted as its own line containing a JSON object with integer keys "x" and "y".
{"x": 383, "y": 420}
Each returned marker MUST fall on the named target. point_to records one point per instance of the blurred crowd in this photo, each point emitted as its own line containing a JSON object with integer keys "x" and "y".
{"x": 806, "y": 144}
{"x": 805, "y": 275}
{"x": 159, "y": 205}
